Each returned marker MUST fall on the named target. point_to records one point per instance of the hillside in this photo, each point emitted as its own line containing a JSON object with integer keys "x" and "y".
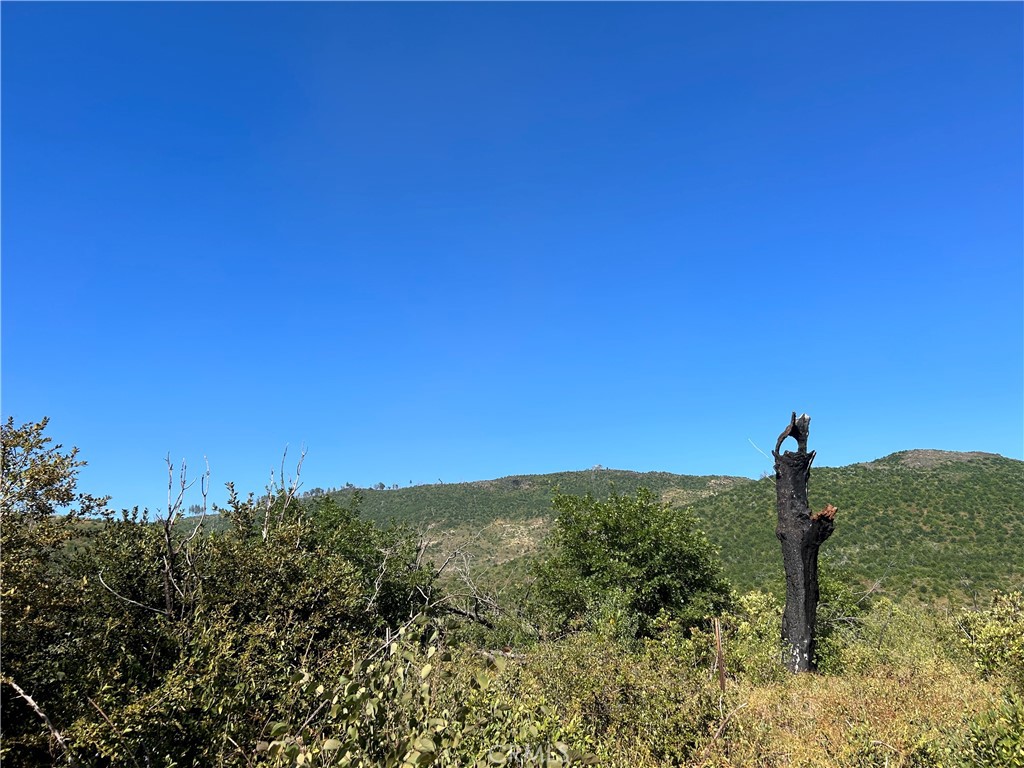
{"x": 500, "y": 524}
{"x": 521, "y": 497}
{"x": 933, "y": 523}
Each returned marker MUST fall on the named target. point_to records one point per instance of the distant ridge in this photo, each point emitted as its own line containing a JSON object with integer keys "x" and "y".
{"x": 923, "y": 457}
{"x": 926, "y": 522}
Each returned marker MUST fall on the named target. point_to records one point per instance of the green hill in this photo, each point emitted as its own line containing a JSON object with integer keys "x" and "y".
{"x": 933, "y": 523}
{"x": 519, "y": 497}
{"x": 499, "y": 523}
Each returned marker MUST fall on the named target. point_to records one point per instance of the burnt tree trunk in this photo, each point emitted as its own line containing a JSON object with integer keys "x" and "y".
{"x": 801, "y": 533}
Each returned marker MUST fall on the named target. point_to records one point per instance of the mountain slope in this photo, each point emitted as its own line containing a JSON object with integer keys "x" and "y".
{"x": 503, "y": 520}
{"x": 931, "y": 522}
{"x": 934, "y": 522}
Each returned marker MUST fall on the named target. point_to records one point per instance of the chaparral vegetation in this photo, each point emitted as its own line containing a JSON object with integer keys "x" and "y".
{"x": 635, "y": 624}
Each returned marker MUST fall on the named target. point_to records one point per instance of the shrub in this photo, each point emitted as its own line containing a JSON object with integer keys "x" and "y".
{"x": 625, "y": 560}
{"x": 410, "y": 704}
{"x": 995, "y": 637}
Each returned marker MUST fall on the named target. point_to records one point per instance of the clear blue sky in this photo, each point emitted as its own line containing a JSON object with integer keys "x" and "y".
{"x": 461, "y": 241}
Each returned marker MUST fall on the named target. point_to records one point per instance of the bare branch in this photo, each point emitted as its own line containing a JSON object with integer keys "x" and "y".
{"x": 447, "y": 562}
{"x": 269, "y": 502}
{"x": 57, "y": 735}
{"x": 721, "y": 729}
{"x": 287, "y": 490}
{"x": 128, "y": 599}
{"x": 294, "y": 484}
{"x": 380, "y": 578}
{"x": 110, "y": 722}
{"x": 174, "y": 506}
{"x": 204, "y": 487}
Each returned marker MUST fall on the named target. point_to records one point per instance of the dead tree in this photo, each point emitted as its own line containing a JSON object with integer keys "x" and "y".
{"x": 801, "y": 533}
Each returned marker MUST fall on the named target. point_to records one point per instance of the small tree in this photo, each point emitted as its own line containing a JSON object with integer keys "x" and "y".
{"x": 629, "y": 558}
{"x": 40, "y": 511}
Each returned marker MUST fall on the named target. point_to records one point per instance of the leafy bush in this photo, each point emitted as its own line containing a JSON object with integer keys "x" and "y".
{"x": 128, "y": 641}
{"x": 144, "y": 642}
{"x": 995, "y": 637}
{"x": 409, "y": 704}
{"x": 41, "y": 513}
{"x": 995, "y": 739}
{"x": 625, "y": 560}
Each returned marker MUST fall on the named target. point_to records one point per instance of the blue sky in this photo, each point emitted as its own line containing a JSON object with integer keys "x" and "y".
{"x": 460, "y": 241}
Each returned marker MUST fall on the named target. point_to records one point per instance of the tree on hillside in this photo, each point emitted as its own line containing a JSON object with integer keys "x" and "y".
{"x": 627, "y": 559}
{"x": 801, "y": 534}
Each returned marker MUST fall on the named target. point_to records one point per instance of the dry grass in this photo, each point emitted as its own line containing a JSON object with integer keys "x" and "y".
{"x": 884, "y": 717}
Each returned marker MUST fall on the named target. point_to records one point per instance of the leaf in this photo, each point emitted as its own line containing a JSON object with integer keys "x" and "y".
{"x": 278, "y": 729}
{"x": 426, "y": 670}
{"x": 331, "y": 745}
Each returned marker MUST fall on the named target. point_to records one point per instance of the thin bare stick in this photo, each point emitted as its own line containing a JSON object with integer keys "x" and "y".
{"x": 294, "y": 484}
{"x": 57, "y": 735}
{"x": 204, "y": 487}
{"x": 719, "y": 655}
{"x": 759, "y": 450}
{"x": 128, "y": 599}
{"x": 110, "y": 723}
{"x": 455, "y": 553}
{"x": 241, "y": 751}
{"x": 721, "y": 730}
{"x": 174, "y": 506}
{"x": 269, "y": 502}
{"x": 379, "y": 580}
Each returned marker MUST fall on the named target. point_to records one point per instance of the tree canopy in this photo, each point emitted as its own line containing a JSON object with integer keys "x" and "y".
{"x": 626, "y": 560}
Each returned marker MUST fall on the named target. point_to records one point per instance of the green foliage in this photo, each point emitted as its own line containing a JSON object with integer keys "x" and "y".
{"x": 131, "y": 640}
{"x": 751, "y": 633}
{"x": 929, "y": 523}
{"x": 501, "y": 523}
{"x": 409, "y": 704}
{"x": 147, "y": 642}
{"x": 995, "y": 739}
{"x": 37, "y": 480}
{"x": 644, "y": 703}
{"x": 521, "y": 497}
{"x": 40, "y": 510}
{"x": 622, "y": 561}
{"x": 995, "y": 637}
{"x": 840, "y": 618}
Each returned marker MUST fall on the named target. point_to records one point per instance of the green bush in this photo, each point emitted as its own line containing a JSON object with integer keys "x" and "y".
{"x": 623, "y": 561}
{"x": 145, "y": 643}
{"x": 410, "y": 704}
{"x": 995, "y": 637}
{"x": 130, "y": 642}
{"x": 996, "y": 738}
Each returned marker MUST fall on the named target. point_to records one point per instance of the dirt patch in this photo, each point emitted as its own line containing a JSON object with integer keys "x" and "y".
{"x": 926, "y": 459}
